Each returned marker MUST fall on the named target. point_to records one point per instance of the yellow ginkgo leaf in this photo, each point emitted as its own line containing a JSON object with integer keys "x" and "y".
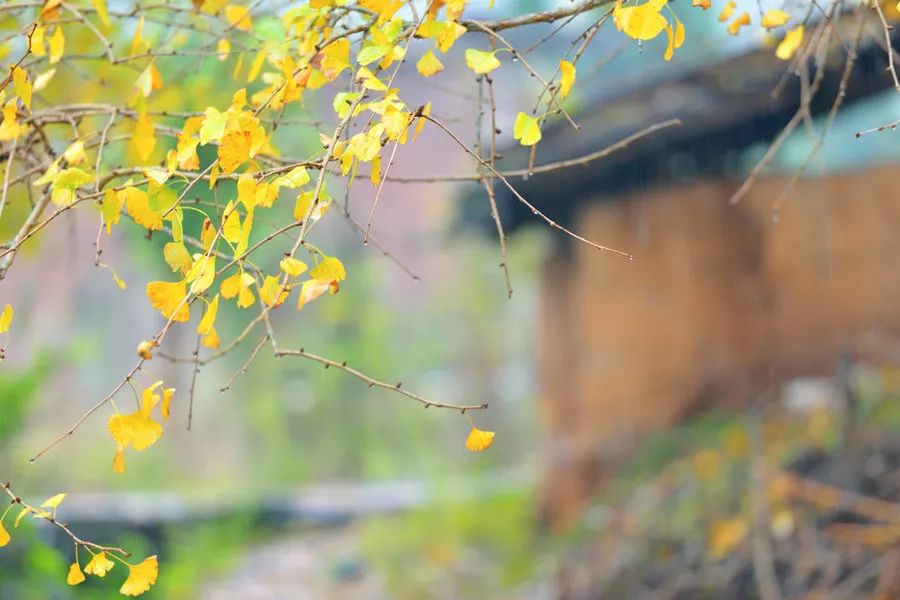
{"x": 271, "y": 292}
{"x": 202, "y": 273}
{"x": 166, "y": 408}
{"x": 99, "y": 565}
{"x": 102, "y": 12}
{"x": 177, "y": 257}
{"x": 140, "y": 577}
{"x": 790, "y": 43}
{"x": 143, "y": 138}
{"x": 567, "y": 77}
{"x": 209, "y": 318}
{"x": 211, "y": 340}
{"x": 4, "y": 535}
{"x": 641, "y": 22}
{"x": 329, "y": 269}
{"x": 74, "y": 154}
{"x": 21, "y": 86}
{"x": 146, "y": 432}
{"x": 10, "y": 129}
{"x": 239, "y": 17}
{"x": 292, "y": 266}
{"x": 6, "y": 318}
{"x": 526, "y": 130}
{"x": 479, "y": 440}
{"x": 481, "y": 61}
{"x": 137, "y": 203}
{"x": 57, "y": 45}
{"x": 53, "y": 501}
{"x": 168, "y": 298}
{"x": 310, "y": 290}
{"x": 75, "y": 575}
{"x": 429, "y": 64}
{"x": 774, "y": 18}
{"x": 213, "y": 125}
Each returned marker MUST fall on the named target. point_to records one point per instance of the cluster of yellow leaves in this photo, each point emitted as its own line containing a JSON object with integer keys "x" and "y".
{"x": 141, "y": 576}
{"x": 138, "y": 429}
{"x": 646, "y": 22}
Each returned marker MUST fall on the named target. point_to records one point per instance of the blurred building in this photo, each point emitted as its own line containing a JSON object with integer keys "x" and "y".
{"x": 723, "y": 301}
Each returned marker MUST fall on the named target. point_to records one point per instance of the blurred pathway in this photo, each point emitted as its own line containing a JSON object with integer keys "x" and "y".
{"x": 324, "y": 564}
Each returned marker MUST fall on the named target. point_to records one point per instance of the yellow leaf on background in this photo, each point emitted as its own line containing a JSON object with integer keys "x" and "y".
{"x": 641, "y": 22}
{"x": 292, "y": 266}
{"x": 735, "y": 26}
{"x": 74, "y": 154}
{"x": 329, "y": 269}
{"x": 6, "y": 318}
{"x": 75, "y": 575}
{"x": 4, "y": 535}
{"x": 207, "y": 235}
{"x": 57, "y": 45}
{"x": 223, "y": 49}
{"x": 144, "y": 137}
{"x": 429, "y": 64}
{"x": 310, "y": 290}
{"x": 167, "y": 298}
{"x": 213, "y": 125}
{"x": 38, "y": 42}
{"x": 177, "y": 257}
{"x": 209, "y": 318}
{"x": 211, "y": 340}
{"x": 41, "y": 81}
{"x": 140, "y": 577}
{"x": 567, "y": 77}
{"x": 790, "y": 43}
{"x": 256, "y": 66}
{"x": 166, "y": 408}
{"x": 727, "y": 11}
{"x": 150, "y": 79}
{"x": 119, "y": 461}
{"x": 239, "y": 17}
{"x": 271, "y": 292}
{"x": 336, "y": 58}
{"x": 102, "y": 12}
{"x": 137, "y": 203}
{"x": 99, "y": 565}
{"x": 111, "y": 208}
{"x": 138, "y": 45}
{"x": 231, "y": 227}
{"x": 775, "y": 18}
{"x": 22, "y": 86}
{"x": 22, "y": 514}
{"x": 65, "y": 183}
{"x": 202, "y": 273}
{"x": 53, "y": 501}
{"x": 479, "y": 440}
{"x": 526, "y": 130}
{"x": 725, "y": 536}
{"x": 11, "y": 129}
{"x": 481, "y": 61}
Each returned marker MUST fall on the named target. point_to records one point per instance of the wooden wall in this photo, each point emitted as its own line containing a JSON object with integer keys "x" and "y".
{"x": 720, "y": 304}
